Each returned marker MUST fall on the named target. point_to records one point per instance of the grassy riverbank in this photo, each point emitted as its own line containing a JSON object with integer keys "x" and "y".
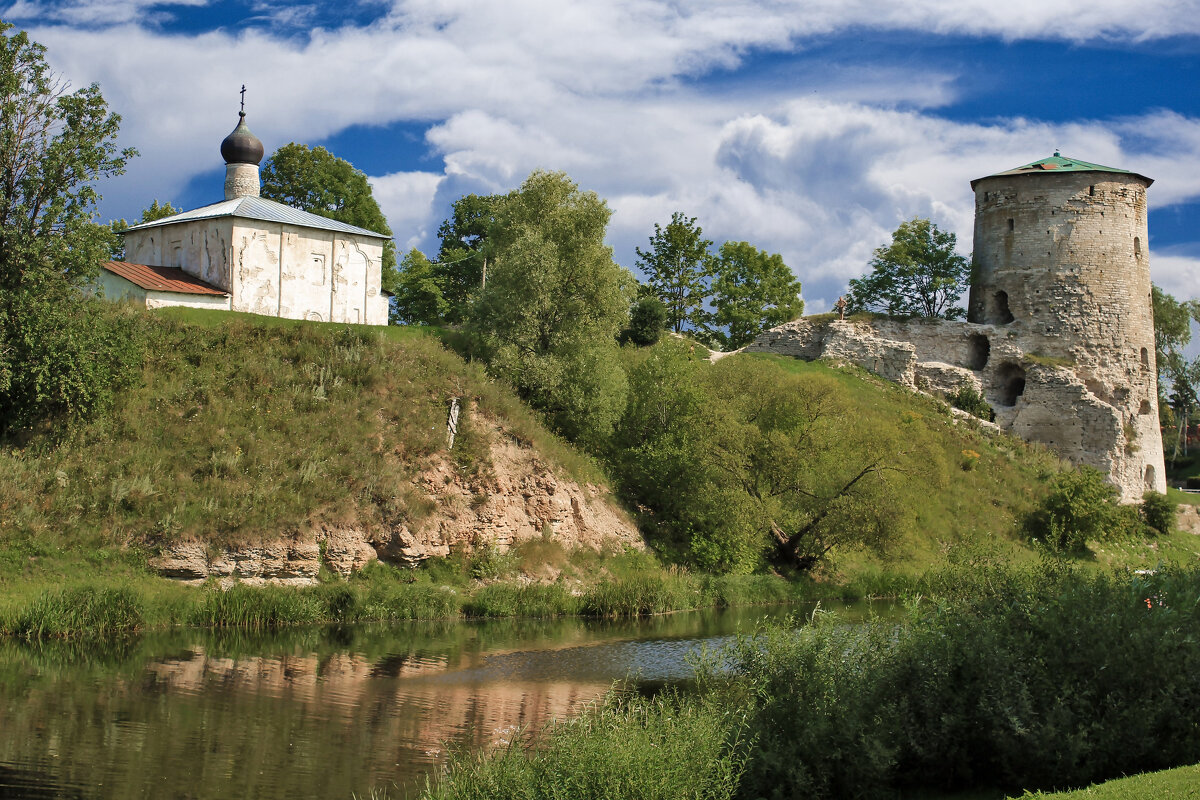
{"x": 1005, "y": 680}
{"x": 127, "y": 602}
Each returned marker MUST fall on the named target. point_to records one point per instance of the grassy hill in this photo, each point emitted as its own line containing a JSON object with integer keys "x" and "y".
{"x": 245, "y": 427}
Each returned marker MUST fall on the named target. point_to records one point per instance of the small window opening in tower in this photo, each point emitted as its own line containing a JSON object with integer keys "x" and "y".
{"x": 1145, "y": 358}
{"x": 1137, "y": 245}
{"x": 1091, "y": 191}
{"x": 1001, "y": 315}
{"x": 1144, "y": 408}
{"x": 1012, "y": 383}
{"x": 978, "y": 350}
{"x": 1149, "y": 476}
{"x": 1011, "y": 226}
{"x": 986, "y": 195}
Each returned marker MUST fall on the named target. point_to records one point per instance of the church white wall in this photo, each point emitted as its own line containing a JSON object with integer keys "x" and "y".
{"x": 168, "y": 299}
{"x": 305, "y": 273}
{"x": 115, "y": 288}
{"x": 202, "y": 248}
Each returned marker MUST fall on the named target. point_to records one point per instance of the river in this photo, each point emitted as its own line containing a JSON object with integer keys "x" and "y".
{"x": 315, "y": 712}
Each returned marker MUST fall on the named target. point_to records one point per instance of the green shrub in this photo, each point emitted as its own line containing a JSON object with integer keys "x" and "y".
{"x": 1080, "y": 506}
{"x": 1018, "y": 680}
{"x": 1158, "y": 512}
{"x": 968, "y": 399}
{"x": 647, "y": 321}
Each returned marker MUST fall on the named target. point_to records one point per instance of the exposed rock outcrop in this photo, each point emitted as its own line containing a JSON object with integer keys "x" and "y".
{"x": 520, "y": 497}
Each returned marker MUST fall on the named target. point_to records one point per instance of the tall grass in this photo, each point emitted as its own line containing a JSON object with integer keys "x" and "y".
{"x": 92, "y": 611}
{"x": 628, "y": 746}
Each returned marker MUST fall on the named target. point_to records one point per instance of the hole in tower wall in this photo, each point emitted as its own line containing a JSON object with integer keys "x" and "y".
{"x": 1091, "y": 191}
{"x": 1145, "y": 358}
{"x": 1149, "y": 479}
{"x": 1144, "y": 408}
{"x": 1012, "y": 383}
{"x": 1011, "y": 225}
{"x": 1137, "y": 245}
{"x": 1001, "y": 314}
{"x": 978, "y": 350}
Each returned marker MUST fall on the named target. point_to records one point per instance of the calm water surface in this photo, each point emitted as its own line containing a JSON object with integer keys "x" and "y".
{"x": 324, "y": 712}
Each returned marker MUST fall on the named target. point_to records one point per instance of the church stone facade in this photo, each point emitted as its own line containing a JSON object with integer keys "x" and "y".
{"x": 267, "y": 257}
{"x": 1059, "y": 334}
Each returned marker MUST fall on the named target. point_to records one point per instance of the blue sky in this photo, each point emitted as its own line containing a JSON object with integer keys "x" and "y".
{"x": 810, "y": 128}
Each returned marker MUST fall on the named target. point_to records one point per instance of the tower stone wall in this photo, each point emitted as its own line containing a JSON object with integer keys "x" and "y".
{"x": 1061, "y": 258}
{"x": 1059, "y": 334}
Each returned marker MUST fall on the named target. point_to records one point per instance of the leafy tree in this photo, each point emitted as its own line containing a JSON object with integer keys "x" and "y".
{"x": 59, "y": 355}
{"x": 918, "y": 274}
{"x": 548, "y": 317}
{"x": 317, "y": 181}
{"x": 741, "y": 461}
{"x": 752, "y": 290}
{"x": 647, "y": 320}
{"x": 1178, "y": 377}
{"x": 678, "y": 265}
{"x": 461, "y": 258}
{"x": 418, "y": 296}
{"x": 152, "y": 212}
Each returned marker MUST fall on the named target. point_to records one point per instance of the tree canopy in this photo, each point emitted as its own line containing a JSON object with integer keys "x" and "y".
{"x": 678, "y": 266}
{"x": 554, "y": 301}
{"x": 57, "y": 356}
{"x": 752, "y": 290}
{"x": 918, "y": 274}
{"x": 317, "y": 181}
{"x": 741, "y": 461}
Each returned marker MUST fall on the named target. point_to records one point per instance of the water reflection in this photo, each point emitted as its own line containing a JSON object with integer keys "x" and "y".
{"x": 312, "y": 712}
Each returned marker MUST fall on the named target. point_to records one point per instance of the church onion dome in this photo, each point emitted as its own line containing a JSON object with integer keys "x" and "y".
{"x": 242, "y": 146}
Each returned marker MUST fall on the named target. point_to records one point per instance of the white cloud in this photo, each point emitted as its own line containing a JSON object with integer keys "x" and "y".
{"x": 406, "y": 199}
{"x": 820, "y": 168}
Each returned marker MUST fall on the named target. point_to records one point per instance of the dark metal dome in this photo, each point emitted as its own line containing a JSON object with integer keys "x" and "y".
{"x": 241, "y": 146}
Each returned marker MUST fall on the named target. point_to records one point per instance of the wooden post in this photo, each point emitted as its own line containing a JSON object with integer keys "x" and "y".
{"x": 452, "y": 423}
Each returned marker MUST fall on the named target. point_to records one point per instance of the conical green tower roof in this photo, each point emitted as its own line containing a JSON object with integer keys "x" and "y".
{"x": 1060, "y": 163}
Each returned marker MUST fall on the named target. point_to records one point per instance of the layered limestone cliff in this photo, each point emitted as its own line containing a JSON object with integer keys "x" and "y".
{"x": 520, "y": 497}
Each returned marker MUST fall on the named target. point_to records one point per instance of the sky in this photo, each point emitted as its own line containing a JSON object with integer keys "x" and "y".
{"x": 809, "y": 128}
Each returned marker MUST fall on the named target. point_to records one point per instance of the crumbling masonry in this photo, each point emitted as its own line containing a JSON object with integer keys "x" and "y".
{"x": 1059, "y": 334}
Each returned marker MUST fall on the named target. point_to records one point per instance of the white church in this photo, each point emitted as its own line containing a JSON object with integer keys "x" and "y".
{"x": 251, "y": 254}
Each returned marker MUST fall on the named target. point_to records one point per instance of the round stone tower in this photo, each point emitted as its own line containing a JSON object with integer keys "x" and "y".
{"x": 1062, "y": 275}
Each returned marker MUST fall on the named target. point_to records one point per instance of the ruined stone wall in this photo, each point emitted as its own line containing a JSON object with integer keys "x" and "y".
{"x": 1034, "y": 396}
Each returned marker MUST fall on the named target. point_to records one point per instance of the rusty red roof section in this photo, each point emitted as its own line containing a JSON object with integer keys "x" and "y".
{"x": 161, "y": 279}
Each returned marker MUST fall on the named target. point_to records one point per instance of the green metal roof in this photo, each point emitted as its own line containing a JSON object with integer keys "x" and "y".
{"x": 1060, "y": 163}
